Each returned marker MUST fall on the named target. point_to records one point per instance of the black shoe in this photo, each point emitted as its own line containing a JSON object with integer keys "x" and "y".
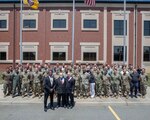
{"x": 71, "y": 107}
{"x": 57, "y": 106}
{"x": 45, "y": 109}
{"x": 136, "y": 96}
{"x": 52, "y": 108}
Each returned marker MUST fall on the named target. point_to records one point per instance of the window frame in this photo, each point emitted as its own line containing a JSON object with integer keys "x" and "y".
{"x": 144, "y": 53}
{"x": 27, "y": 20}
{"x": 120, "y": 28}
{"x": 30, "y": 15}
{"x": 144, "y": 28}
{"x": 90, "y": 15}
{"x": 59, "y": 15}
{"x": 122, "y": 53}
{"x": 4, "y": 15}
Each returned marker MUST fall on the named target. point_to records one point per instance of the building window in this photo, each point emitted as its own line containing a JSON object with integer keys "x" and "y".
{"x": 29, "y": 55}
{"x": 59, "y": 19}
{"x": 30, "y": 19}
{"x": 59, "y": 56}
{"x": 119, "y": 53}
{"x": 146, "y": 28}
{"x": 59, "y": 23}
{"x": 146, "y": 53}
{"x": 90, "y": 20}
{"x": 29, "y": 23}
{"x": 4, "y": 20}
{"x": 3, "y": 56}
{"x": 119, "y": 27}
{"x": 90, "y": 23}
{"x": 3, "y": 24}
{"x": 89, "y": 56}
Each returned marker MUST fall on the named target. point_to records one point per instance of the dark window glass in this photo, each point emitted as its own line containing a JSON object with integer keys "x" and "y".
{"x": 90, "y": 24}
{"x": 89, "y": 56}
{"x": 59, "y": 55}
{"x": 146, "y": 28}
{"x": 59, "y": 23}
{"x": 119, "y": 53}
{"x": 2, "y": 55}
{"x": 146, "y": 54}
{"x": 29, "y": 23}
{"x": 119, "y": 27}
{"x": 29, "y": 55}
{"x": 3, "y": 23}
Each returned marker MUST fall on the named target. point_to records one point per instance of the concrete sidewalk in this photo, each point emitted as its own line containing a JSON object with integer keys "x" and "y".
{"x": 120, "y": 100}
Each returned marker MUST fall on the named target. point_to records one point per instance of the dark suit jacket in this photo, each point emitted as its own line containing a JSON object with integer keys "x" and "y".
{"x": 61, "y": 88}
{"x": 48, "y": 87}
{"x": 70, "y": 84}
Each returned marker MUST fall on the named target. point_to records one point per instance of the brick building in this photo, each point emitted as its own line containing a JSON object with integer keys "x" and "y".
{"x": 47, "y": 32}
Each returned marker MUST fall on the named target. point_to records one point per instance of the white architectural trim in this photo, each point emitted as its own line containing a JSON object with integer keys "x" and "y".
{"x": 89, "y": 43}
{"x": 29, "y": 61}
{"x": 30, "y": 43}
{"x": 4, "y": 15}
{"x": 145, "y": 39}
{"x": 59, "y": 11}
{"x": 59, "y": 14}
{"x": 89, "y": 15}
{"x": 5, "y": 43}
{"x": 90, "y": 11}
{"x": 121, "y": 12}
{"x": 59, "y": 43}
{"x": 50, "y": 61}
{"x": 6, "y": 61}
{"x": 118, "y": 40}
{"x": 28, "y": 15}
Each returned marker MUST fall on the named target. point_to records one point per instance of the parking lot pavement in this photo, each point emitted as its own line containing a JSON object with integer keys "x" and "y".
{"x": 79, "y": 112}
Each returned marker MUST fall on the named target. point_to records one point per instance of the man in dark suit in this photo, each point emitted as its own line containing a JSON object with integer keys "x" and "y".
{"x": 70, "y": 84}
{"x": 61, "y": 90}
{"x": 49, "y": 87}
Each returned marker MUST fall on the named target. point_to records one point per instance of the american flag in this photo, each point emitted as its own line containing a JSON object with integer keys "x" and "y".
{"x": 90, "y": 2}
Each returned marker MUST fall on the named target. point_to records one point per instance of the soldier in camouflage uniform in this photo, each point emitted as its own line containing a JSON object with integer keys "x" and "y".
{"x": 77, "y": 78}
{"x": 25, "y": 83}
{"x": 106, "y": 83}
{"x": 30, "y": 77}
{"x": 85, "y": 83}
{"x": 16, "y": 83}
{"x": 98, "y": 77}
{"x": 36, "y": 84}
{"x": 143, "y": 80}
{"x": 125, "y": 80}
{"x": 6, "y": 85}
{"x": 115, "y": 81}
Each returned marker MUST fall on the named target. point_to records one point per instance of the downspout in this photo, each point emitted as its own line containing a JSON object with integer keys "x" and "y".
{"x": 135, "y": 35}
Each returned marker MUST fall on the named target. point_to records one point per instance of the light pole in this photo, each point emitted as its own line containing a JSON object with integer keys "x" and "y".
{"x": 124, "y": 33}
{"x": 73, "y": 22}
{"x": 21, "y": 32}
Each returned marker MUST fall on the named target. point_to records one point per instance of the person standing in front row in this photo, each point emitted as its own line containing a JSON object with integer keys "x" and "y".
{"x": 70, "y": 85}
{"x": 49, "y": 87}
{"x": 61, "y": 90}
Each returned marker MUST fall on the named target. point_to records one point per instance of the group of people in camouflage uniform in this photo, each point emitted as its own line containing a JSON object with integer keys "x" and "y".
{"x": 115, "y": 80}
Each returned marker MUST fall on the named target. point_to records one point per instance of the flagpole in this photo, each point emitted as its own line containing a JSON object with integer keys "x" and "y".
{"x": 73, "y": 29}
{"x": 21, "y": 32}
{"x": 124, "y": 38}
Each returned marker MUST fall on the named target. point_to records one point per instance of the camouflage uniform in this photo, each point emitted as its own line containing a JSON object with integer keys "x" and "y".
{"x": 106, "y": 84}
{"x": 98, "y": 77}
{"x": 125, "y": 80}
{"x": 115, "y": 81}
{"x": 143, "y": 85}
{"x": 25, "y": 84}
{"x": 36, "y": 84}
{"x": 85, "y": 84}
{"x": 6, "y": 85}
{"x": 77, "y": 78}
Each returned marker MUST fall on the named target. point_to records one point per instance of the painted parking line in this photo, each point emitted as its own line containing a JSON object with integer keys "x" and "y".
{"x": 114, "y": 113}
